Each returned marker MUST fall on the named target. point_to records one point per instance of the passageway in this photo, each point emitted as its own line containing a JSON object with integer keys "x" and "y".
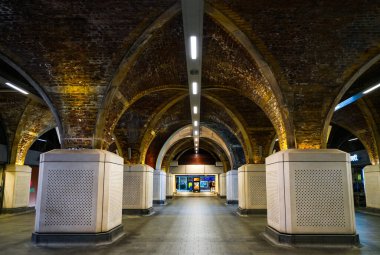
{"x": 187, "y": 225}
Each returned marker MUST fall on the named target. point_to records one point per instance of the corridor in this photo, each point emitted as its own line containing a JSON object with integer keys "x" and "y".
{"x": 186, "y": 225}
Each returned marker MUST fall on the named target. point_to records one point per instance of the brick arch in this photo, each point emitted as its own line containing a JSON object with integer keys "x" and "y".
{"x": 278, "y": 113}
{"x": 47, "y": 100}
{"x": 356, "y": 75}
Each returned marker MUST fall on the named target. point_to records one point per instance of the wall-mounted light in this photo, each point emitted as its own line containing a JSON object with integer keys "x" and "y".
{"x": 195, "y": 109}
{"x": 195, "y": 87}
{"x": 371, "y": 89}
{"x": 193, "y": 47}
{"x": 16, "y": 88}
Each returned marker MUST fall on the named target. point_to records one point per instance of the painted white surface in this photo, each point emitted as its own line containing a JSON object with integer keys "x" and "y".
{"x": 251, "y": 186}
{"x": 310, "y": 192}
{"x": 79, "y": 191}
{"x": 159, "y": 185}
{"x": 372, "y": 185}
{"x": 232, "y": 185}
{"x": 138, "y": 187}
{"x": 17, "y": 186}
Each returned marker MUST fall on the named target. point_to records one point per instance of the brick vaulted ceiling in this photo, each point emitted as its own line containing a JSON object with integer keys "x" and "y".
{"x": 115, "y": 71}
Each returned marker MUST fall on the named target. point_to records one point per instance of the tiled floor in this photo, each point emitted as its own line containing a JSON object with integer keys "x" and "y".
{"x": 187, "y": 225}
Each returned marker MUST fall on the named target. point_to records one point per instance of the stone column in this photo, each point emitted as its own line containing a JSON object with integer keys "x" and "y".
{"x": 222, "y": 185}
{"x": 372, "y": 186}
{"x": 232, "y": 187}
{"x": 79, "y": 200}
{"x": 159, "y": 187}
{"x": 310, "y": 198}
{"x": 252, "y": 189}
{"x": 16, "y": 188}
{"x": 138, "y": 189}
{"x": 170, "y": 186}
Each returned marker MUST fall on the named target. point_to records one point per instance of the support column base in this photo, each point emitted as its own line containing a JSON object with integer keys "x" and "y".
{"x": 321, "y": 240}
{"x": 78, "y": 239}
{"x": 232, "y": 202}
{"x": 159, "y": 202}
{"x": 146, "y": 212}
{"x": 242, "y": 211}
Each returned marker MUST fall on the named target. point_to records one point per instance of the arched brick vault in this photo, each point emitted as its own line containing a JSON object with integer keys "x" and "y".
{"x": 357, "y": 119}
{"x": 187, "y": 144}
{"x": 294, "y": 61}
{"x": 24, "y": 121}
{"x": 230, "y": 65}
{"x": 148, "y": 123}
{"x": 313, "y": 49}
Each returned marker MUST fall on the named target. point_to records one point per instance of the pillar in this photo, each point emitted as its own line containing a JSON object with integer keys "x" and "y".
{"x": 222, "y": 185}
{"x": 310, "y": 198}
{"x": 170, "y": 185}
{"x": 252, "y": 189}
{"x": 232, "y": 187}
{"x": 16, "y": 187}
{"x": 372, "y": 186}
{"x": 138, "y": 189}
{"x": 79, "y": 200}
{"x": 159, "y": 187}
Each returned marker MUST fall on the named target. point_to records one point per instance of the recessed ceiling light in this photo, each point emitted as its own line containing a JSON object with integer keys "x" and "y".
{"x": 195, "y": 123}
{"x": 195, "y": 109}
{"x": 196, "y": 132}
{"x": 195, "y": 87}
{"x": 193, "y": 47}
{"x": 16, "y": 88}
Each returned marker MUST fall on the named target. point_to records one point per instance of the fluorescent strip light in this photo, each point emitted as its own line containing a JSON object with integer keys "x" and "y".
{"x": 195, "y": 123}
{"x": 195, "y": 109}
{"x": 195, "y": 87}
{"x": 193, "y": 47}
{"x": 42, "y": 140}
{"x": 371, "y": 89}
{"x": 16, "y": 88}
{"x": 353, "y": 139}
{"x": 196, "y": 132}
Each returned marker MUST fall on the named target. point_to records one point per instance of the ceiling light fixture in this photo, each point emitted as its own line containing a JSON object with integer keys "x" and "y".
{"x": 16, "y": 88}
{"x": 371, "y": 89}
{"x": 195, "y": 123}
{"x": 195, "y": 109}
{"x": 196, "y": 132}
{"x": 193, "y": 47}
{"x": 195, "y": 87}
{"x": 353, "y": 139}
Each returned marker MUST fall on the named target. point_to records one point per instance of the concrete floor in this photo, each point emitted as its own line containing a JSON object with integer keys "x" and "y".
{"x": 187, "y": 225}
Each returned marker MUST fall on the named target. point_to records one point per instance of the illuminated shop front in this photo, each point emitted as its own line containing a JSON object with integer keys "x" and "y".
{"x": 195, "y": 183}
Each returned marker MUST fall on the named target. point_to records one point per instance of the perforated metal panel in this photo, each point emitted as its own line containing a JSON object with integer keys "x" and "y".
{"x": 69, "y": 197}
{"x": 273, "y": 197}
{"x": 132, "y": 190}
{"x": 257, "y": 190}
{"x": 319, "y": 198}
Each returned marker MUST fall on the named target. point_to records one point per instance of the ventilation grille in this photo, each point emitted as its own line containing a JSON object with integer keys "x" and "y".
{"x": 132, "y": 190}
{"x": 273, "y": 198}
{"x": 257, "y": 190}
{"x": 319, "y": 198}
{"x": 69, "y": 197}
